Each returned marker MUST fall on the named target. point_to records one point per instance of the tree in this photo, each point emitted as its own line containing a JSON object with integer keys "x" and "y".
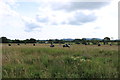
{"x": 26, "y": 41}
{"x": 56, "y": 41}
{"x": 84, "y": 41}
{"x": 106, "y": 40}
{"x": 77, "y": 41}
{"x": 61, "y": 41}
{"x": 50, "y": 41}
{"x": 16, "y": 41}
{"x": 94, "y": 41}
{"x": 32, "y": 40}
{"x": 4, "y": 40}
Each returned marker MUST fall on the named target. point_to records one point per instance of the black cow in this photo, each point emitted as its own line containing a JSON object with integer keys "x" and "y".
{"x": 52, "y": 45}
{"x": 66, "y": 45}
{"x": 18, "y": 44}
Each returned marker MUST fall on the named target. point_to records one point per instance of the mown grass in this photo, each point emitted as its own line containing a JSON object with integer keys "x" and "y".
{"x": 41, "y": 61}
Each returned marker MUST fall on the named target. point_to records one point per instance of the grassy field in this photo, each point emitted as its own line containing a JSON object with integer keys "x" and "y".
{"x": 41, "y": 61}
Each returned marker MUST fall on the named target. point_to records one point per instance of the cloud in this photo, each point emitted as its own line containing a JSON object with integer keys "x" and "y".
{"x": 5, "y": 10}
{"x": 41, "y": 18}
{"x": 15, "y": 20}
{"x": 53, "y": 13}
{"x": 57, "y": 13}
{"x": 81, "y": 18}
{"x": 57, "y": 20}
{"x": 96, "y": 28}
{"x": 72, "y": 6}
{"x": 30, "y": 24}
{"x": 63, "y": 18}
{"x": 8, "y": 17}
{"x": 51, "y": 17}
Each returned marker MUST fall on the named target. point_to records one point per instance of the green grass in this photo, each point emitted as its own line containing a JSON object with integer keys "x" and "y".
{"x": 41, "y": 61}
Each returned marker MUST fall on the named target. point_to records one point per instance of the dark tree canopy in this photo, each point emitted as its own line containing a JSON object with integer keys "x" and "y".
{"x": 107, "y": 38}
{"x": 4, "y": 40}
{"x": 87, "y": 41}
{"x": 32, "y": 40}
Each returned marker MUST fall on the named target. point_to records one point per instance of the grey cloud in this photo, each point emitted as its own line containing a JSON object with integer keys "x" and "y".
{"x": 81, "y": 18}
{"x": 97, "y": 28}
{"x": 41, "y": 19}
{"x": 30, "y": 26}
{"x": 71, "y": 6}
{"x": 54, "y": 23}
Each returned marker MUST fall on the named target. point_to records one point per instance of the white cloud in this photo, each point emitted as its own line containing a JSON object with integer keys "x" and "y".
{"x": 57, "y": 22}
{"x": 13, "y": 22}
{"x": 5, "y": 10}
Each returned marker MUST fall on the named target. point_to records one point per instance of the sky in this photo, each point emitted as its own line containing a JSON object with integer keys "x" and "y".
{"x": 56, "y": 19}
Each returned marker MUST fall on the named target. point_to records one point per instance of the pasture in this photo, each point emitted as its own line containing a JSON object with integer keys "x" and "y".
{"x": 43, "y": 61}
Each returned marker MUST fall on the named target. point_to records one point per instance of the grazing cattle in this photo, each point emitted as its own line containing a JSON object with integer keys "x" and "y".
{"x": 9, "y": 44}
{"x": 66, "y": 45}
{"x": 52, "y": 45}
{"x": 99, "y": 44}
{"x": 18, "y": 44}
{"x": 110, "y": 44}
{"x": 33, "y": 44}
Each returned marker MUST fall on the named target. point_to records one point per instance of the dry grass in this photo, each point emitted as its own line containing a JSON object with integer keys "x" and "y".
{"x": 41, "y": 61}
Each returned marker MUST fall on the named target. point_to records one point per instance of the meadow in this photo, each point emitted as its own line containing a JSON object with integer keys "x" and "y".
{"x": 42, "y": 61}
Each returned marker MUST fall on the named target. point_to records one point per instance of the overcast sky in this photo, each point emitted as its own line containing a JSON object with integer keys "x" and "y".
{"x": 53, "y": 19}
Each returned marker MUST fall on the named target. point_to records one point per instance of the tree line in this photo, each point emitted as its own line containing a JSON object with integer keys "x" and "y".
{"x": 94, "y": 41}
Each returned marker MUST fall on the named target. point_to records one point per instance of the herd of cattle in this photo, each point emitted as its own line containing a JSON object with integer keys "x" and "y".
{"x": 65, "y": 45}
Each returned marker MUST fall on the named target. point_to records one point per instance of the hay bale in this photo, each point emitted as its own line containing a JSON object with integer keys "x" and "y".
{"x": 99, "y": 44}
{"x": 110, "y": 44}
{"x": 33, "y": 44}
{"x": 52, "y": 46}
{"x": 9, "y": 44}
